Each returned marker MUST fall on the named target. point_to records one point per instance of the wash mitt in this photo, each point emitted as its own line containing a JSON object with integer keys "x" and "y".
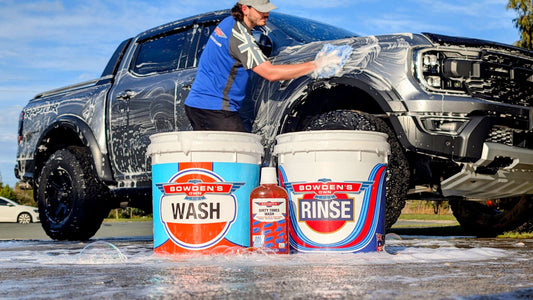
{"x": 330, "y": 60}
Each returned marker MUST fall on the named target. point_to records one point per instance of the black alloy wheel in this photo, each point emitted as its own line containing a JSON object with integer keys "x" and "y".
{"x": 71, "y": 199}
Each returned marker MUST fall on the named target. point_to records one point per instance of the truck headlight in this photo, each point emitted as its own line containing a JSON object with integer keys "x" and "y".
{"x": 434, "y": 81}
{"x": 445, "y": 70}
{"x": 431, "y": 64}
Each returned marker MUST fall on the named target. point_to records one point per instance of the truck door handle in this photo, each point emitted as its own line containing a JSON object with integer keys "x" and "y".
{"x": 126, "y": 95}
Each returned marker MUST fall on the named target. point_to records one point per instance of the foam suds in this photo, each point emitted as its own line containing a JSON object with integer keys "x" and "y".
{"x": 411, "y": 267}
{"x": 413, "y": 251}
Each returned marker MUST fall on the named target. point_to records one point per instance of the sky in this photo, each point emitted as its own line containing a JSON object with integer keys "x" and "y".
{"x": 47, "y": 44}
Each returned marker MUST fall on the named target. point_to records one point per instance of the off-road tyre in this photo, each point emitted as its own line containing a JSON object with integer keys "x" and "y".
{"x": 488, "y": 219}
{"x": 398, "y": 173}
{"x": 72, "y": 200}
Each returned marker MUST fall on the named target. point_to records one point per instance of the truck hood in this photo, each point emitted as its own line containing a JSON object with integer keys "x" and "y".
{"x": 445, "y": 40}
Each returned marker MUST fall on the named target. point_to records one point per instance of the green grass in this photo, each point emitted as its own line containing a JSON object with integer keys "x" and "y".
{"x": 431, "y": 231}
{"x": 517, "y": 235}
{"x": 134, "y": 219}
{"x": 436, "y": 229}
{"x": 431, "y": 217}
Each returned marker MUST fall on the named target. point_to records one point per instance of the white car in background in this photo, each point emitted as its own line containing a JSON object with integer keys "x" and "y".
{"x": 11, "y": 211}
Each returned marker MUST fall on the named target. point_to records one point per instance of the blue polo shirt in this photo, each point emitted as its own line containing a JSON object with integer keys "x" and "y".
{"x": 223, "y": 70}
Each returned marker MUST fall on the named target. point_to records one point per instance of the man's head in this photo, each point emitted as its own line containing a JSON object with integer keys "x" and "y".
{"x": 252, "y": 12}
{"x": 262, "y": 6}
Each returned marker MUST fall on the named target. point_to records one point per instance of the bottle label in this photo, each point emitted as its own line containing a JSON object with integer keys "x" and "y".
{"x": 269, "y": 224}
{"x": 269, "y": 209}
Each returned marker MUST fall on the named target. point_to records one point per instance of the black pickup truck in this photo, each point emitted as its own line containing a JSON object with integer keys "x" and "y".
{"x": 458, "y": 113}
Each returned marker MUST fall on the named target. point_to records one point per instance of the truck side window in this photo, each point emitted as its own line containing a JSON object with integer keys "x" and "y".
{"x": 186, "y": 60}
{"x": 161, "y": 54}
{"x": 204, "y": 33}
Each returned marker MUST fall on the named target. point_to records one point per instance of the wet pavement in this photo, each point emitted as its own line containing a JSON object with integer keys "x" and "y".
{"x": 124, "y": 266}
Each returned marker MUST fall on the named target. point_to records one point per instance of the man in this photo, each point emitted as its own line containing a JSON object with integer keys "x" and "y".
{"x": 230, "y": 54}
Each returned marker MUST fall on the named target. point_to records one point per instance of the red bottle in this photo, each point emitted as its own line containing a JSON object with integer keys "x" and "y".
{"x": 269, "y": 214}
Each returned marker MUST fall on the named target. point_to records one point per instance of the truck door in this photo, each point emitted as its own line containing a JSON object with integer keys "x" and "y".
{"x": 142, "y": 101}
{"x": 187, "y": 74}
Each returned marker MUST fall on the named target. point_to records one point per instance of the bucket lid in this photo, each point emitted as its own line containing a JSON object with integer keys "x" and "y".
{"x": 205, "y": 141}
{"x": 332, "y": 140}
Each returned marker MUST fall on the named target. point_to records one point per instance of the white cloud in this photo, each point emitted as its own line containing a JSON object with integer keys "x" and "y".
{"x": 8, "y": 140}
{"x": 8, "y": 126}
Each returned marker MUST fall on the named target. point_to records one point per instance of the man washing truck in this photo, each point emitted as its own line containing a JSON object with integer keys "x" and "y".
{"x": 220, "y": 85}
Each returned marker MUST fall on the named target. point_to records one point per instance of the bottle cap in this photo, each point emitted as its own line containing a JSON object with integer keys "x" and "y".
{"x": 269, "y": 175}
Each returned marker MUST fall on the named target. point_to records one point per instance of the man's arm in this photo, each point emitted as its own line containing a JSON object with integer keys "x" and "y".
{"x": 283, "y": 72}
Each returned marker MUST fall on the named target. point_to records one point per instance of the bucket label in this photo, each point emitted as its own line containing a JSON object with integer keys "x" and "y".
{"x": 197, "y": 209}
{"x": 344, "y": 216}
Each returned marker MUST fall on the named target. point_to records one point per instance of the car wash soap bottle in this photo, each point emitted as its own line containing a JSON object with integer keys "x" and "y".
{"x": 269, "y": 214}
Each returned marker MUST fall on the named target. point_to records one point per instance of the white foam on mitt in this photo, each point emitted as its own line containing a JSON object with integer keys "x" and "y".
{"x": 330, "y": 60}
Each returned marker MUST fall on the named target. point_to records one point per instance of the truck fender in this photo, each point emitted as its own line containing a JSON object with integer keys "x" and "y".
{"x": 85, "y": 137}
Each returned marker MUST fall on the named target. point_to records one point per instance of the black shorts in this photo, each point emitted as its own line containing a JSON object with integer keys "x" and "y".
{"x": 218, "y": 120}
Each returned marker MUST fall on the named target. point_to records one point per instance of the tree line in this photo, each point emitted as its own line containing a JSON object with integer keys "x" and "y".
{"x": 21, "y": 196}
{"x": 523, "y": 21}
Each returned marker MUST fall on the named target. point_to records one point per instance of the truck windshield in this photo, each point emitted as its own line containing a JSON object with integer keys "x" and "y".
{"x": 305, "y": 30}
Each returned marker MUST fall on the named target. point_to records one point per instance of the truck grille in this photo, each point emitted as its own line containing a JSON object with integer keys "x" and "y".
{"x": 502, "y": 78}
{"x": 482, "y": 74}
{"x": 501, "y": 136}
{"x": 511, "y": 137}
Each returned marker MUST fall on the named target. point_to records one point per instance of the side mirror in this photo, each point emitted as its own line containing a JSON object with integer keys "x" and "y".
{"x": 263, "y": 41}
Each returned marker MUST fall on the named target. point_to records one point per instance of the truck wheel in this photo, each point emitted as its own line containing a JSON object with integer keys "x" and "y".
{"x": 490, "y": 218}
{"x": 398, "y": 168}
{"x": 71, "y": 199}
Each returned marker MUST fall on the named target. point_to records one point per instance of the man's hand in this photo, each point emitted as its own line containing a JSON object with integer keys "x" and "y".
{"x": 330, "y": 60}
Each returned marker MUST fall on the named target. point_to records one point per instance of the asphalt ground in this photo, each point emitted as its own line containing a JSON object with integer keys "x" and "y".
{"x": 34, "y": 231}
{"x": 119, "y": 263}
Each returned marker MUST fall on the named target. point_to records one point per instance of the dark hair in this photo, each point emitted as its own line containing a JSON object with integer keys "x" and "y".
{"x": 236, "y": 12}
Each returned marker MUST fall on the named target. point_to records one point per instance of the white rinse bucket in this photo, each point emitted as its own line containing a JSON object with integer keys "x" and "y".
{"x": 201, "y": 183}
{"x": 336, "y": 185}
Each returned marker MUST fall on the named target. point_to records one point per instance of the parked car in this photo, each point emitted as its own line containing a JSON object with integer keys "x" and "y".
{"x": 457, "y": 111}
{"x": 11, "y": 211}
